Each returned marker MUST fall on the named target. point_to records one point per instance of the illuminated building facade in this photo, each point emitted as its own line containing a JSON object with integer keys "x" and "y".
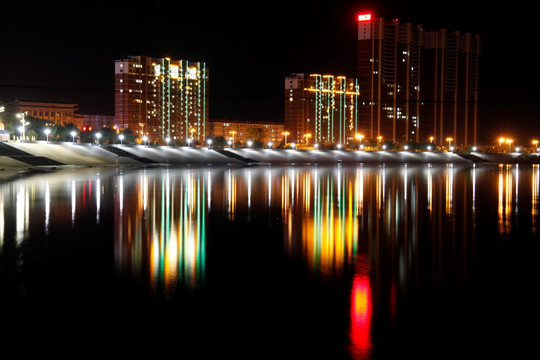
{"x": 417, "y": 84}
{"x": 57, "y": 113}
{"x": 241, "y": 131}
{"x": 321, "y": 108}
{"x": 162, "y": 98}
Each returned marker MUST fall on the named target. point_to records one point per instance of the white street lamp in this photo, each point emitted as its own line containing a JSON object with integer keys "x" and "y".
{"x": 168, "y": 140}
{"x": 145, "y": 139}
{"x": 73, "y": 133}
{"x": 121, "y": 137}
{"x": 98, "y": 136}
{"x": 249, "y": 143}
{"x": 47, "y": 131}
{"x": 23, "y": 122}
{"x": 209, "y": 142}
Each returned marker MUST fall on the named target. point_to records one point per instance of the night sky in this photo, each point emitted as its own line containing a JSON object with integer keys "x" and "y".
{"x": 66, "y": 51}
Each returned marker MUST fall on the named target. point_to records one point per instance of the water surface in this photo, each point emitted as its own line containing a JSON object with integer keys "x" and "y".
{"x": 340, "y": 262}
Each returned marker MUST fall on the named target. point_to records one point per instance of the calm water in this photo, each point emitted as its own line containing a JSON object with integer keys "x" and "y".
{"x": 334, "y": 262}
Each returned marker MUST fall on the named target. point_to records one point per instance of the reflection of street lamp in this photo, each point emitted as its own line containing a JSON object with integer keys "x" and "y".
{"x": 73, "y": 133}
{"x": 121, "y": 137}
{"x": 47, "y": 131}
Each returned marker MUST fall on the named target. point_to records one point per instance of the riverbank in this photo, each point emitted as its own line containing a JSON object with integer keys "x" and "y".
{"x": 14, "y": 155}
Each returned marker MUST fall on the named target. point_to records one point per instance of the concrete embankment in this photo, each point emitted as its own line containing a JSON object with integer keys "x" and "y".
{"x": 35, "y": 154}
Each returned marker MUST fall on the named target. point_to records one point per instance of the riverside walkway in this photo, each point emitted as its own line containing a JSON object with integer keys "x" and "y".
{"x": 65, "y": 154}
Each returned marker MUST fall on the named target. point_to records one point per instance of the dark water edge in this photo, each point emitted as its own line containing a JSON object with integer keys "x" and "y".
{"x": 87, "y": 311}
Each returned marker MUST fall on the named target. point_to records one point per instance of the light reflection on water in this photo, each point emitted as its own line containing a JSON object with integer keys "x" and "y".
{"x": 388, "y": 233}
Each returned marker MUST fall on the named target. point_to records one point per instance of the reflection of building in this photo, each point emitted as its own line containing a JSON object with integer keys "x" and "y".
{"x": 58, "y": 113}
{"x": 415, "y": 84}
{"x": 241, "y": 131}
{"x": 162, "y": 98}
{"x": 168, "y": 239}
{"x": 321, "y": 108}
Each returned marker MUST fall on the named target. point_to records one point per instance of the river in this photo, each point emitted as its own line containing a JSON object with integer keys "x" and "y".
{"x": 334, "y": 261}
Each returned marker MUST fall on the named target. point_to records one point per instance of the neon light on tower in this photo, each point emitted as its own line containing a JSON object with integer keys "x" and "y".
{"x": 364, "y": 17}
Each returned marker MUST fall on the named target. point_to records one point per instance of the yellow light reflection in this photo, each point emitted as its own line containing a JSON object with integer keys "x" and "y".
{"x": 168, "y": 237}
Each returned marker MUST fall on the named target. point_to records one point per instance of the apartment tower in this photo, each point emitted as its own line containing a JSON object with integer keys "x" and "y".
{"x": 163, "y": 99}
{"x": 320, "y": 109}
{"x": 416, "y": 85}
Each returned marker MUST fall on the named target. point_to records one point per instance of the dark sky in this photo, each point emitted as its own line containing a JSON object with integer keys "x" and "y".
{"x": 66, "y": 51}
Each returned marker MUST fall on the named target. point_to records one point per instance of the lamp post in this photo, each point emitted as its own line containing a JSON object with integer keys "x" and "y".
{"x": 47, "y": 131}
{"x": 233, "y": 133}
{"x": 145, "y": 140}
{"x": 359, "y": 137}
{"x": 209, "y": 142}
{"x": 23, "y": 122}
{"x": 98, "y": 136}
{"x": 121, "y": 137}
{"x": 449, "y": 139}
{"x": 168, "y": 140}
{"x": 73, "y": 133}
{"x": 249, "y": 144}
{"x": 285, "y": 133}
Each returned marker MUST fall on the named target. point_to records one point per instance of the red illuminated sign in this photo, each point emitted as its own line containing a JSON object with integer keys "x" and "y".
{"x": 364, "y": 17}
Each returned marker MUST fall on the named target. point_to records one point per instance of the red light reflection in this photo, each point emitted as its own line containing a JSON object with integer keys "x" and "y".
{"x": 360, "y": 316}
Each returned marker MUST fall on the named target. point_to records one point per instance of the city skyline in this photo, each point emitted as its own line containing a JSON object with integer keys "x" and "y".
{"x": 65, "y": 54}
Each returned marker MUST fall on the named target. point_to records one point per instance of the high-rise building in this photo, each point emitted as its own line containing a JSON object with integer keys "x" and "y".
{"x": 417, "y": 85}
{"x": 162, "y": 98}
{"x": 320, "y": 108}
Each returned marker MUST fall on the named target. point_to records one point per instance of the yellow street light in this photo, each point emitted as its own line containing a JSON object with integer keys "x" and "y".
{"x": 285, "y": 133}
{"x": 449, "y": 139}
